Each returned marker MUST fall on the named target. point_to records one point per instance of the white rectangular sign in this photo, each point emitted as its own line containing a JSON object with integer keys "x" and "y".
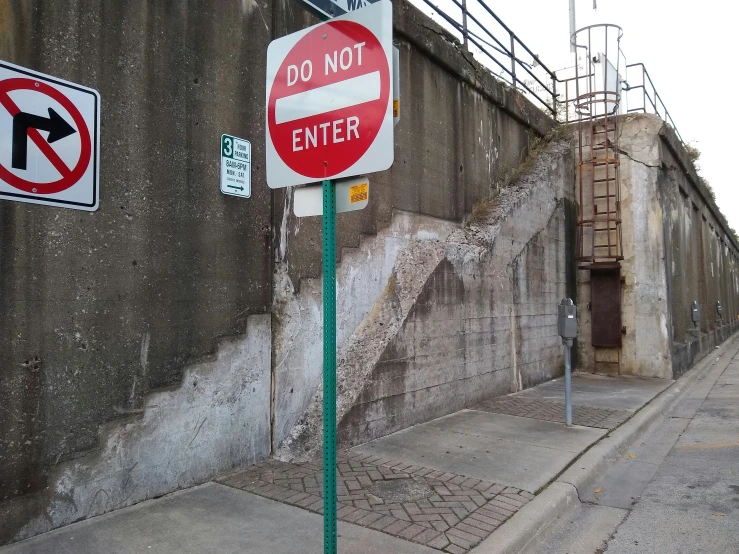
{"x": 235, "y": 166}
{"x": 49, "y": 140}
{"x": 334, "y": 8}
{"x": 351, "y": 195}
{"x": 330, "y": 99}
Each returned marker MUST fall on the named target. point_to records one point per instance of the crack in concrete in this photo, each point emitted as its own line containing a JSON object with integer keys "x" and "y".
{"x": 645, "y": 164}
{"x": 440, "y": 33}
{"x": 453, "y": 43}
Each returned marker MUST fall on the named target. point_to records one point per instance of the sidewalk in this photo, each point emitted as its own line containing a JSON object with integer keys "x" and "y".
{"x": 445, "y": 485}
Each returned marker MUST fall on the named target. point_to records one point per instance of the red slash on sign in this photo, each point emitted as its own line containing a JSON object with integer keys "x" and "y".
{"x": 329, "y": 113}
{"x": 58, "y": 128}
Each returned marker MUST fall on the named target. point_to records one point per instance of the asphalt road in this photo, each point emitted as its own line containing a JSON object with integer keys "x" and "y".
{"x": 677, "y": 489}
{"x": 691, "y": 505}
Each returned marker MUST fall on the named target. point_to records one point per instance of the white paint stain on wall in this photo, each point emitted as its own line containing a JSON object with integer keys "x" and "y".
{"x": 217, "y": 419}
{"x": 361, "y": 277}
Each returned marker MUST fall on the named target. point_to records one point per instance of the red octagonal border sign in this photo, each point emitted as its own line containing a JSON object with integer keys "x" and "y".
{"x": 49, "y": 140}
{"x": 329, "y": 99}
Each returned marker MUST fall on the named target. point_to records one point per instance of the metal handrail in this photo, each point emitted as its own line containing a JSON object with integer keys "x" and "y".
{"x": 513, "y": 66}
{"x": 655, "y": 100}
{"x": 493, "y": 47}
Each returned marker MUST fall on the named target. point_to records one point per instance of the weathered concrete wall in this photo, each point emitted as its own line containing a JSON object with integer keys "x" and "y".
{"x": 702, "y": 261}
{"x": 361, "y": 278}
{"x": 103, "y": 312}
{"x": 677, "y": 248}
{"x": 460, "y": 131}
{"x": 460, "y": 318}
{"x": 644, "y": 303}
{"x": 217, "y": 419}
{"x": 97, "y": 309}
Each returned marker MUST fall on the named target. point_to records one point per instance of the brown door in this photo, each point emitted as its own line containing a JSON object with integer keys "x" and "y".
{"x": 605, "y": 307}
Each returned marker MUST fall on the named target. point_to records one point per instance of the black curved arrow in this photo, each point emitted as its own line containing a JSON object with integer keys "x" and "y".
{"x": 22, "y": 121}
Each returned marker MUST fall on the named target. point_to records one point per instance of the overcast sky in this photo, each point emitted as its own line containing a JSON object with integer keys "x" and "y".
{"x": 690, "y": 52}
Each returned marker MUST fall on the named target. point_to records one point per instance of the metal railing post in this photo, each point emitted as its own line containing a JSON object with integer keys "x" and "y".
{"x": 644, "y": 87}
{"x": 464, "y": 24}
{"x": 513, "y": 59}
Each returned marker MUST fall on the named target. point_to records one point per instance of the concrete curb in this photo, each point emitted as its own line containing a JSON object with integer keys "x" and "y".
{"x": 530, "y": 520}
{"x": 533, "y": 520}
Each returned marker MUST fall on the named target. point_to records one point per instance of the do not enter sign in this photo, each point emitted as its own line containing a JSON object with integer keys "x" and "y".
{"x": 329, "y": 99}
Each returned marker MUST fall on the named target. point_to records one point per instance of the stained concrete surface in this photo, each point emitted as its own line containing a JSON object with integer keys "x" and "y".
{"x": 583, "y": 531}
{"x": 618, "y": 393}
{"x": 519, "y": 452}
{"x": 677, "y": 248}
{"x": 208, "y": 519}
{"x": 168, "y": 264}
{"x": 437, "y": 338}
{"x": 692, "y": 504}
{"x": 99, "y": 308}
{"x": 677, "y": 502}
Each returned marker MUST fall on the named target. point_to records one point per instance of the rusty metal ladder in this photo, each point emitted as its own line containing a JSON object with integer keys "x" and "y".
{"x": 599, "y": 218}
{"x": 599, "y": 238}
{"x": 600, "y": 248}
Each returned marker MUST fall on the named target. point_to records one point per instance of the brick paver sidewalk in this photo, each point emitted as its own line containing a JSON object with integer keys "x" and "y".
{"x": 551, "y": 410}
{"x": 441, "y": 510}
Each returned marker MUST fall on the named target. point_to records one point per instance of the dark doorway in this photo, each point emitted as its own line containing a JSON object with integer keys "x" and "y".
{"x": 605, "y": 307}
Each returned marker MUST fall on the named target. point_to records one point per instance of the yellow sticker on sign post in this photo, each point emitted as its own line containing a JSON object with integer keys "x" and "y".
{"x": 359, "y": 193}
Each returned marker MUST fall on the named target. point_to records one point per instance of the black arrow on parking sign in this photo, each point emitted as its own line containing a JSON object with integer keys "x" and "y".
{"x": 55, "y": 124}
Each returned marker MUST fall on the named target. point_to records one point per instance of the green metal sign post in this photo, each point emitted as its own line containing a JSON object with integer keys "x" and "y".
{"x": 288, "y": 163}
{"x": 329, "y": 368}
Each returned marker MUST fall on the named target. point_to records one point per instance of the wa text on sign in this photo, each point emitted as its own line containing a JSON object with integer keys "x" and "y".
{"x": 329, "y": 99}
{"x": 49, "y": 140}
{"x": 335, "y": 8}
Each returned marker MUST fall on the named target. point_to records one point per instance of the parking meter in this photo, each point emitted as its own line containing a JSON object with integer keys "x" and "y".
{"x": 695, "y": 313}
{"x": 567, "y": 320}
{"x": 567, "y": 329}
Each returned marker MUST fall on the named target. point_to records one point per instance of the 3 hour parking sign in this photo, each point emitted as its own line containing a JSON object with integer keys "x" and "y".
{"x": 49, "y": 140}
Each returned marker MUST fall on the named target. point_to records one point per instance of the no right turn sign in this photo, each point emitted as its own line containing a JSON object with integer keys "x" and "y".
{"x": 49, "y": 140}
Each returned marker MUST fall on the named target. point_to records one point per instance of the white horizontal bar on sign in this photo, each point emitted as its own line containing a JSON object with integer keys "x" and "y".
{"x": 328, "y": 98}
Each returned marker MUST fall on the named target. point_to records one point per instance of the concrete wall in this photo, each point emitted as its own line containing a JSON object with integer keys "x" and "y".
{"x": 217, "y": 419}
{"x": 463, "y": 315}
{"x": 460, "y": 131}
{"x": 677, "y": 248}
{"x": 702, "y": 262}
{"x": 110, "y": 320}
{"x": 98, "y": 309}
{"x": 484, "y": 323}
